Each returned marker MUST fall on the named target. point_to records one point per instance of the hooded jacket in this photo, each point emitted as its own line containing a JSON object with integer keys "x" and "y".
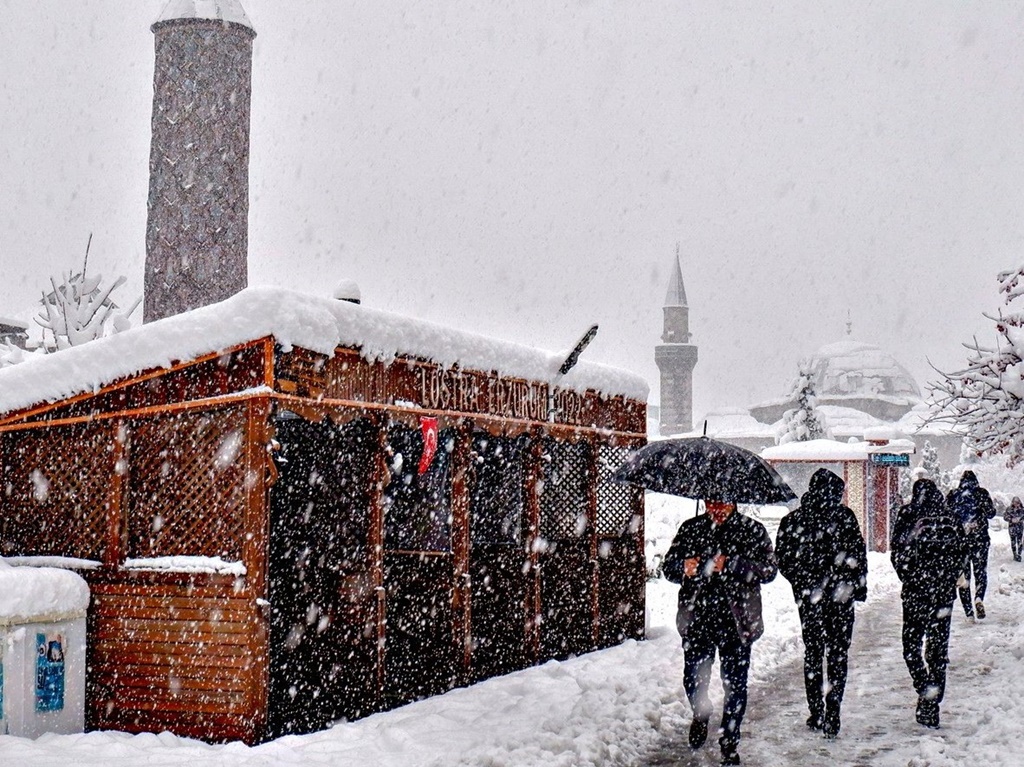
{"x": 820, "y": 547}
{"x": 928, "y": 572}
{"x": 972, "y": 505}
{"x": 750, "y": 561}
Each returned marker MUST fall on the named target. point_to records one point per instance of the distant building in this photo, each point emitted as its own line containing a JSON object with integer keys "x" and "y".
{"x": 13, "y": 332}
{"x": 676, "y": 359}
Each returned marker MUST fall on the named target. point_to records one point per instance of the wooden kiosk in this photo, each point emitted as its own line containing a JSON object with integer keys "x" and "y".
{"x": 273, "y": 540}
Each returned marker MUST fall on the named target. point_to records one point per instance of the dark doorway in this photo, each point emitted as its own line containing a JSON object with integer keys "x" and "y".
{"x": 322, "y": 625}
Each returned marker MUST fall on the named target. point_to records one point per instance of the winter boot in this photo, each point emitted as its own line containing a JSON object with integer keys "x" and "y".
{"x": 698, "y": 732}
{"x": 927, "y": 712}
{"x": 979, "y": 610}
{"x": 830, "y": 725}
{"x": 729, "y": 754}
{"x": 815, "y": 721}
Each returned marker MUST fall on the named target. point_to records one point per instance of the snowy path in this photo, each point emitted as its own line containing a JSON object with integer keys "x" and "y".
{"x": 982, "y": 716}
{"x": 624, "y": 707}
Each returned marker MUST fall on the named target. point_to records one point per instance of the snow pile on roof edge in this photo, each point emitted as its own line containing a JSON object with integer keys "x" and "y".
{"x": 293, "y": 319}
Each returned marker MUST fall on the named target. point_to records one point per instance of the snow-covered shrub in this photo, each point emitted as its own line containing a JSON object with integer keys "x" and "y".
{"x": 986, "y": 398}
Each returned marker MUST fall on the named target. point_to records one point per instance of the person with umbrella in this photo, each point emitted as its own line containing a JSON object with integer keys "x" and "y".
{"x": 927, "y": 549}
{"x": 822, "y": 554}
{"x": 719, "y": 559}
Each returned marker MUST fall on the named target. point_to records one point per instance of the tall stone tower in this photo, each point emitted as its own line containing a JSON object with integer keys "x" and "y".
{"x": 676, "y": 358}
{"x": 197, "y": 233}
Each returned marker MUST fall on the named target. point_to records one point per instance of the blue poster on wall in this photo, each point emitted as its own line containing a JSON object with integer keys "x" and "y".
{"x": 49, "y": 672}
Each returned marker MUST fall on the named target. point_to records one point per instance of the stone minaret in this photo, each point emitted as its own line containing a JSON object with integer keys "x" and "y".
{"x": 197, "y": 233}
{"x": 676, "y": 358}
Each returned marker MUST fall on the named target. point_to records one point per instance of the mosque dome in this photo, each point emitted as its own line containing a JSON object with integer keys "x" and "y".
{"x": 852, "y": 374}
{"x": 855, "y": 370}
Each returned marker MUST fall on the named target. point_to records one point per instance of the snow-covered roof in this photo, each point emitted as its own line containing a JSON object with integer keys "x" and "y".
{"x": 293, "y": 319}
{"x": 829, "y": 450}
{"x": 228, "y": 11}
{"x": 40, "y": 594}
{"x": 855, "y": 369}
{"x": 13, "y": 323}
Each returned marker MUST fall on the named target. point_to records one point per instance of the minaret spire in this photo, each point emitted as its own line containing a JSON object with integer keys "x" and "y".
{"x": 676, "y": 357}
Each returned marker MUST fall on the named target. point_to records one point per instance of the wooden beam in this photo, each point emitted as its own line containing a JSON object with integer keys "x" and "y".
{"x": 122, "y": 383}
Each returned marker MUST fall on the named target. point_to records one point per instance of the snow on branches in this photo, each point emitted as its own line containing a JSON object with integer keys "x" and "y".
{"x": 803, "y": 423}
{"x": 986, "y": 398}
{"x": 79, "y": 309}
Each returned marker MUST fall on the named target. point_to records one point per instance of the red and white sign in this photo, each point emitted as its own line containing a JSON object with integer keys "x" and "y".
{"x": 429, "y": 428}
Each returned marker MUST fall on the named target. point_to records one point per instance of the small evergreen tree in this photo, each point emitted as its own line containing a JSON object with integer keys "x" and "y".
{"x": 930, "y": 463}
{"x": 803, "y": 423}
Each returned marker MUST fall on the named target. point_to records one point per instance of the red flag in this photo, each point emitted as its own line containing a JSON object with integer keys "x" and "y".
{"x": 429, "y": 428}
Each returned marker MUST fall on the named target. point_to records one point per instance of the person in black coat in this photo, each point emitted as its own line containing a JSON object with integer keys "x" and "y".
{"x": 720, "y": 559}
{"x": 972, "y": 505}
{"x": 1014, "y": 516}
{"x": 927, "y": 549}
{"x": 822, "y": 554}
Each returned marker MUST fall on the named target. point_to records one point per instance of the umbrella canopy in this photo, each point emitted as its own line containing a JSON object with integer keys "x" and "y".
{"x": 705, "y": 469}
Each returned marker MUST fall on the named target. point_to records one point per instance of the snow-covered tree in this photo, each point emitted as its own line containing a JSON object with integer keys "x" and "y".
{"x": 931, "y": 469}
{"x": 79, "y": 309}
{"x": 986, "y": 398}
{"x": 803, "y": 423}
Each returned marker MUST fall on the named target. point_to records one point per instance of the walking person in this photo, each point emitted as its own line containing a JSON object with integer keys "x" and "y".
{"x": 1014, "y": 516}
{"x": 927, "y": 549}
{"x": 972, "y": 505}
{"x": 720, "y": 559}
{"x": 821, "y": 552}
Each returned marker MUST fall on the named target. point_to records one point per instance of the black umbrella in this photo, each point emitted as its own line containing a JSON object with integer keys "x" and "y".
{"x": 705, "y": 469}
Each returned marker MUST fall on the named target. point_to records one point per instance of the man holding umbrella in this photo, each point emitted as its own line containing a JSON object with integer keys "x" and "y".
{"x": 719, "y": 559}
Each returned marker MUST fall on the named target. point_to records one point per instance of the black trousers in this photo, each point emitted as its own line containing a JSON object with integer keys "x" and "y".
{"x": 926, "y": 644}
{"x": 699, "y": 649}
{"x": 977, "y": 560}
{"x": 1016, "y": 533}
{"x": 827, "y": 629}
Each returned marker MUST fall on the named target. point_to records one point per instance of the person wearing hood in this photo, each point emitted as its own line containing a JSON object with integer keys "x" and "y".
{"x": 972, "y": 505}
{"x": 927, "y": 548}
{"x": 1014, "y": 516}
{"x": 821, "y": 552}
{"x": 720, "y": 559}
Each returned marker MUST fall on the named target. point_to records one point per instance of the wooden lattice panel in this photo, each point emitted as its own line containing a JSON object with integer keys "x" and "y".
{"x": 564, "y": 499}
{"x": 616, "y": 501}
{"x": 186, "y": 485}
{"x": 56, "y": 490}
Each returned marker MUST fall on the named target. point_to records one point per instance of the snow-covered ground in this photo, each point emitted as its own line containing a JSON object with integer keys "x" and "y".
{"x": 625, "y": 705}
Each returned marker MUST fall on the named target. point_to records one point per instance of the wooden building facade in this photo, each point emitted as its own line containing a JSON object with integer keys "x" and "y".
{"x": 373, "y": 566}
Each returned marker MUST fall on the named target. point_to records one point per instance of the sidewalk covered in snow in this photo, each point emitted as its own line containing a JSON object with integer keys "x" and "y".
{"x": 625, "y": 705}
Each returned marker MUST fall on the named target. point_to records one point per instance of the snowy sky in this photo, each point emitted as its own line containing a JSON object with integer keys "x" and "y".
{"x": 524, "y": 170}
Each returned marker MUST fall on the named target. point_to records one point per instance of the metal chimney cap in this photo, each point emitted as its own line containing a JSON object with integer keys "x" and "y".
{"x": 347, "y": 290}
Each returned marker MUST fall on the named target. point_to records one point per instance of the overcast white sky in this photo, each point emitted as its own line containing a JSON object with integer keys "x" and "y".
{"x": 526, "y": 169}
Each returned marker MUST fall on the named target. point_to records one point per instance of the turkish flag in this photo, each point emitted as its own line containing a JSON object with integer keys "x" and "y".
{"x": 429, "y": 428}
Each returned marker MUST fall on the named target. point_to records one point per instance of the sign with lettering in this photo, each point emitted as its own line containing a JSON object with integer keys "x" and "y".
{"x": 890, "y": 459}
{"x": 49, "y": 672}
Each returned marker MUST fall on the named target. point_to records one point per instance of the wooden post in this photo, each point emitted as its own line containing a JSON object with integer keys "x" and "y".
{"x": 532, "y": 476}
{"x": 117, "y": 519}
{"x": 462, "y": 595}
{"x": 375, "y": 544}
{"x": 255, "y": 556}
{"x": 595, "y": 566}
